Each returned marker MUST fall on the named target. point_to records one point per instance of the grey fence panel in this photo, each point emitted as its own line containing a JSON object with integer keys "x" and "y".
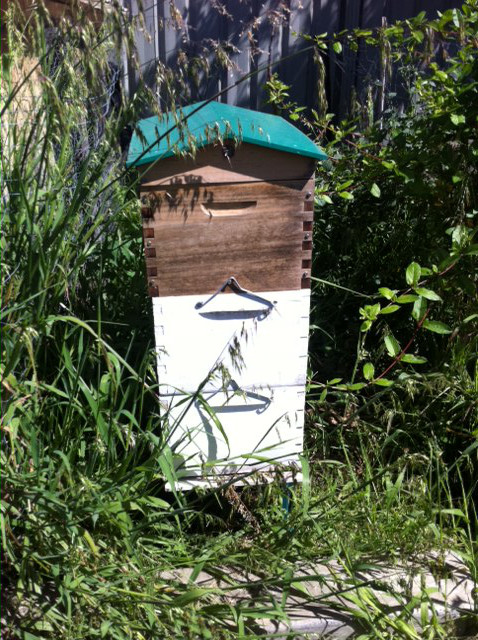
{"x": 145, "y": 41}
{"x": 204, "y": 27}
{"x": 269, "y": 43}
{"x": 295, "y": 70}
{"x": 402, "y": 9}
{"x": 326, "y": 19}
{"x": 350, "y": 20}
{"x": 263, "y": 33}
{"x": 172, "y": 27}
{"x": 237, "y": 23}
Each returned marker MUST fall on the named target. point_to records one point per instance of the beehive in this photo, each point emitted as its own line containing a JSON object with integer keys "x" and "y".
{"x": 228, "y": 249}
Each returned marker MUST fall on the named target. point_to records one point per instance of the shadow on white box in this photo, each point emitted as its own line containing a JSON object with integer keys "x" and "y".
{"x": 273, "y": 341}
{"x": 260, "y": 409}
{"x": 261, "y": 427}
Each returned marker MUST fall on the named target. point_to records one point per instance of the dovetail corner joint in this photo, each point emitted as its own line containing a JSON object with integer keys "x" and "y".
{"x": 153, "y": 292}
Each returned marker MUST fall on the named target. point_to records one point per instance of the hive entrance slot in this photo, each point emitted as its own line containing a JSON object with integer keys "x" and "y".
{"x": 222, "y": 209}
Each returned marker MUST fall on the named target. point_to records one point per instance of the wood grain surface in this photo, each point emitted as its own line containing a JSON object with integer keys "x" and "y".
{"x": 198, "y": 236}
{"x": 249, "y": 163}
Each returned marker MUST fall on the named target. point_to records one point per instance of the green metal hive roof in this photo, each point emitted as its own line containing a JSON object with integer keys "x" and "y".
{"x": 211, "y": 121}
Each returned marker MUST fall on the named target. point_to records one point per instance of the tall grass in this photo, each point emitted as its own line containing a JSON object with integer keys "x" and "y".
{"x": 80, "y": 426}
{"x": 91, "y": 541}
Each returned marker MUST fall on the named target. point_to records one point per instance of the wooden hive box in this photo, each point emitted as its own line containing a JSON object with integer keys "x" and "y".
{"x": 228, "y": 249}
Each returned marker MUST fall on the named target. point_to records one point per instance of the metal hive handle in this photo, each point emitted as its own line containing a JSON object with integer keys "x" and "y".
{"x": 233, "y": 284}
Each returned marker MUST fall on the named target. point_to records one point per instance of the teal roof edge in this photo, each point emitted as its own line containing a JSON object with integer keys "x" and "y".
{"x": 206, "y": 122}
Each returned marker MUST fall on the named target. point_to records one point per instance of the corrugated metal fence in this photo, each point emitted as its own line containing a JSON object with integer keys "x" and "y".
{"x": 253, "y": 34}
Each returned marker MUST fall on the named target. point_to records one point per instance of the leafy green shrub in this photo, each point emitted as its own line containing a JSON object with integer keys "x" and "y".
{"x": 394, "y": 345}
{"x": 397, "y": 222}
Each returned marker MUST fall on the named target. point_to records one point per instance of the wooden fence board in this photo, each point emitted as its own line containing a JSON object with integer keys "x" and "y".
{"x": 273, "y": 25}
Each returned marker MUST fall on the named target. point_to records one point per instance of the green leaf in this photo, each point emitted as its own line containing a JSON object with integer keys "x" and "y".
{"x": 419, "y": 309}
{"x": 156, "y": 503}
{"x": 406, "y": 298}
{"x": 389, "y": 164}
{"x": 166, "y": 463}
{"x": 440, "y": 75}
{"x": 356, "y": 386}
{"x": 411, "y": 359}
{"x": 436, "y": 327}
{"x": 91, "y": 542}
{"x": 457, "y": 118}
{"x": 370, "y": 311}
{"x": 337, "y": 47}
{"x": 325, "y": 198}
{"x": 211, "y": 413}
{"x": 365, "y": 326}
{"x": 392, "y": 346}
{"x": 390, "y": 309}
{"x": 406, "y": 629}
{"x": 368, "y": 371}
{"x": 418, "y": 36}
{"x": 375, "y": 190}
{"x": 346, "y": 195}
{"x": 344, "y": 185}
{"x": 428, "y": 294}
{"x": 472, "y": 250}
{"x": 387, "y": 293}
{"x": 451, "y": 512}
{"x": 460, "y": 235}
{"x": 413, "y": 273}
{"x": 193, "y": 595}
{"x": 383, "y": 382}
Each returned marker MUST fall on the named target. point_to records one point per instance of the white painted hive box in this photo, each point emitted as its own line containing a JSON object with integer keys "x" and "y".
{"x": 228, "y": 248}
